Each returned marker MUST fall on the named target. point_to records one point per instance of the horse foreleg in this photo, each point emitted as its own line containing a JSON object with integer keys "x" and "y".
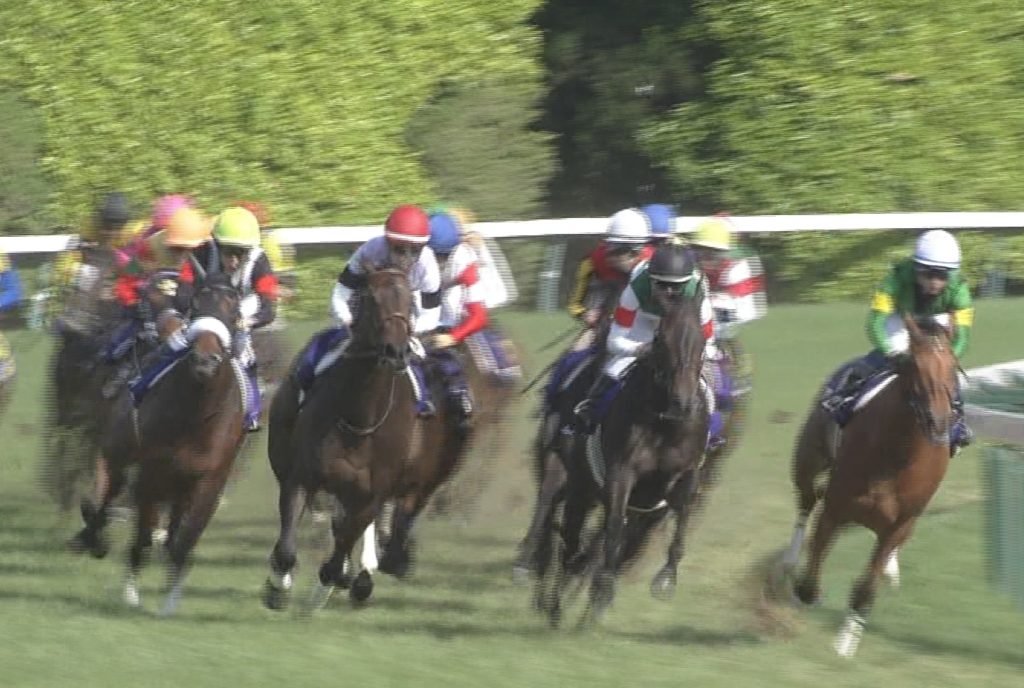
{"x": 535, "y": 549}
{"x": 681, "y": 501}
{"x": 357, "y": 518}
{"x": 290, "y": 503}
{"x": 602, "y": 590}
{"x": 808, "y": 589}
{"x": 397, "y": 557}
{"x": 147, "y": 515}
{"x": 202, "y": 502}
{"x": 863, "y": 595}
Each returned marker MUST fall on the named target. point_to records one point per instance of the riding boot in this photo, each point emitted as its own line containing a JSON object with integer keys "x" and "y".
{"x": 585, "y": 410}
{"x": 254, "y": 403}
{"x": 961, "y": 434}
{"x": 462, "y": 404}
{"x": 424, "y": 404}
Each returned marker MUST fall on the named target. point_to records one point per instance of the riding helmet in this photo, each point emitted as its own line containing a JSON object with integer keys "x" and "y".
{"x": 671, "y": 263}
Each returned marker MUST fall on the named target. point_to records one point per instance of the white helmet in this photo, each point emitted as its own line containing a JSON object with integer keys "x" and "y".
{"x": 629, "y": 226}
{"x": 937, "y": 248}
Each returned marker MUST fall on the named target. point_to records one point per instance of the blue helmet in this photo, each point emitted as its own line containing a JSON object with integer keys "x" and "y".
{"x": 445, "y": 233}
{"x": 662, "y": 218}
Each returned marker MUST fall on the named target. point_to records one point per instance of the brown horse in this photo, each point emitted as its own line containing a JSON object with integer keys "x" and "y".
{"x": 185, "y": 436}
{"x": 892, "y": 457}
{"x": 355, "y": 437}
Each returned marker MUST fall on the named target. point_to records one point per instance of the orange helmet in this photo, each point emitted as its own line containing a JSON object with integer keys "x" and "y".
{"x": 187, "y": 228}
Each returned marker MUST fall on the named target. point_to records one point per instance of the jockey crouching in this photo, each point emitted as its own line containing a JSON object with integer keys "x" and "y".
{"x": 463, "y": 311}
{"x": 165, "y": 250}
{"x": 927, "y": 285}
{"x": 599, "y": 278}
{"x": 235, "y": 251}
{"x": 403, "y": 247}
{"x": 670, "y": 276}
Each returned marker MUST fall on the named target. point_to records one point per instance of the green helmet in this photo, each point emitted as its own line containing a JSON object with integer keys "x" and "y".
{"x": 237, "y": 227}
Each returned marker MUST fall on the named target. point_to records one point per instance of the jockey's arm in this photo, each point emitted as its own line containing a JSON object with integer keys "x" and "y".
{"x": 623, "y": 339}
{"x": 427, "y": 281}
{"x": 476, "y": 312}
{"x": 963, "y": 318}
{"x": 577, "y": 307}
{"x": 260, "y": 308}
{"x": 882, "y": 306}
{"x": 350, "y": 279}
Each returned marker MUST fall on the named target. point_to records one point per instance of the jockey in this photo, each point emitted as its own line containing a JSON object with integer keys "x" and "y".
{"x": 167, "y": 249}
{"x": 235, "y": 250}
{"x": 670, "y": 273}
{"x": 607, "y": 269}
{"x": 402, "y": 247}
{"x": 662, "y": 219}
{"x": 598, "y": 280}
{"x": 463, "y": 311}
{"x": 10, "y": 299}
{"x": 928, "y": 284}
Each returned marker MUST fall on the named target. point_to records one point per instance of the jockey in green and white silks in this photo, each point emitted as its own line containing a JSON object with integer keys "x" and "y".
{"x": 670, "y": 272}
{"x": 927, "y": 285}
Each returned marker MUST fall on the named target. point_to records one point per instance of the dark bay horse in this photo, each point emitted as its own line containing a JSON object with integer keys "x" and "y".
{"x": 891, "y": 458}
{"x": 644, "y": 459}
{"x": 184, "y": 435}
{"x": 78, "y": 406}
{"x": 355, "y": 437}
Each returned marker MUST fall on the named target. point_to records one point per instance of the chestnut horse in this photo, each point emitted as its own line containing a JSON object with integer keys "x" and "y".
{"x": 891, "y": 458}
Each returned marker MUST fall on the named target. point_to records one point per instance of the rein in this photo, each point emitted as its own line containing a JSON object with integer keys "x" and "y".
{"x": 370, "y": 429}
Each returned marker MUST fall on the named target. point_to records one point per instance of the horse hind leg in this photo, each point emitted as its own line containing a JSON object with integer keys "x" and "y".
{"x": 810, "y": 461}
{"x": 357, "y": 518}
{"x": 92, "y": 537}
{"x": 538, "y": 536}
{"x": 808, "y": 587}
{"x": 862, "y": 597}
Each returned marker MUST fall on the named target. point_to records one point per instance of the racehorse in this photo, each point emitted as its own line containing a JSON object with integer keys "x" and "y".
{"x": 643, "y": 459}
{"x": 882, "y": 470}
{"x": 355, "y": 437}
{"x": 184, "y": 434}
{"x": 78, "y": 375}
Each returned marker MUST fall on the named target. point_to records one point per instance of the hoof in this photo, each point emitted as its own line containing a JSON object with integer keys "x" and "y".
{"x": 362, "y": 588}
{"x": 87, "y": 541}
{"x": 663, "y": 587}
{"x": 274, "y": 598}
{"x": 397, "y": 564}
{"x": 602, "y": 592}
{"x": 848, "y": 639}
{"x": 807, "y": 593}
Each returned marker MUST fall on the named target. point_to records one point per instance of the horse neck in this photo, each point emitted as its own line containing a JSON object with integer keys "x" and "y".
{"x": 190, "y": 400}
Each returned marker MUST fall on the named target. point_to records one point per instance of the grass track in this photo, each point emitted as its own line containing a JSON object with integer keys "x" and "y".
{"x": 460, "y": 622}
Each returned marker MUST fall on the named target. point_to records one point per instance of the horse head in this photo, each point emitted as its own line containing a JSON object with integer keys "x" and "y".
{"x": 929, "y": 376}
{"x": 677, "y": 358}
{"x": 383, "y": 328}
{"x": 215, "y": 314}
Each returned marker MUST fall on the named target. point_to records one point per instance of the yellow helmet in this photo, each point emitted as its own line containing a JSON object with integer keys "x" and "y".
{"x": 187, "y": 228}
{"x": 237, "y": 227}
{"x": 714, "y": 232}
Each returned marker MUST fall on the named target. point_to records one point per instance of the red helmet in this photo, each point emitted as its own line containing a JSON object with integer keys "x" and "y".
{"x": 407, "y": 224}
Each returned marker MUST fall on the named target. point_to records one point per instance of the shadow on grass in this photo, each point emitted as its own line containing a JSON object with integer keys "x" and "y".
{"x": 942, "y": 647}
{"x": 683, "y": 634}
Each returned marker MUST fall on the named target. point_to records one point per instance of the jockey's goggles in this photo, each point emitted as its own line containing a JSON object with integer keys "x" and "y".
{"x": 632, "y": 250}
{"x": 669, "y": 286}
{"x": 406, "y": 250}
{"x": 932, "y": 272}
{"x": 231, "y": 250}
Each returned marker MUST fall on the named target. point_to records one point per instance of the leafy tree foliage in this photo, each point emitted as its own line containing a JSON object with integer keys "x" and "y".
{"x": 300, "y": 103}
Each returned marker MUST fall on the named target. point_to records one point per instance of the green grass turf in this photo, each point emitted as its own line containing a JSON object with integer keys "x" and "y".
{"x": 459, "y": 621}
